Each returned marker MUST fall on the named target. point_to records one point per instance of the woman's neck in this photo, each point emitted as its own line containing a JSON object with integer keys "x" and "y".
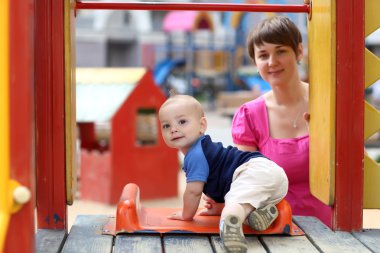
{"x": 289, "y": 95}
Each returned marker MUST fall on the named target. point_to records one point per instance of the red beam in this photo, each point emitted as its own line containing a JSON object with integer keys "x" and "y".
{"x": 348, "y": 208}
{"x": 159, "y": 6}
{"x": 50, "y": 108}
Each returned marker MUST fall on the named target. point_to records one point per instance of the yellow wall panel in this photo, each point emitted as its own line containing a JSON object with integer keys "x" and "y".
{"x": 371, "y": 121}
{"x": 322, "y": 58}
{"x": 372, "y": 10}
{"x": 371, "y": 183}
{"x": 372, "y": 68}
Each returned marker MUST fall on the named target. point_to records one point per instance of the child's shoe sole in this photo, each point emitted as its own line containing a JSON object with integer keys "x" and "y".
{"x": 262, "y": 218}
{"x": 232, "y": 235}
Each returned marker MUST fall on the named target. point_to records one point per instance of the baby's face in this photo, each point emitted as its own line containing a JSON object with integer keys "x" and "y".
{"x": 181, "y": 125}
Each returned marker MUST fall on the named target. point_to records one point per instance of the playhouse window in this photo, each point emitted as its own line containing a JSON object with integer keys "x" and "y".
{"x": 146, "y": 127}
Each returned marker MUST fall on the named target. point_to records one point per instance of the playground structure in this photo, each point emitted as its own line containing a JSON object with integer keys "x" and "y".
{"x": 191, "y": 48}
{"x": 38, "y": 128}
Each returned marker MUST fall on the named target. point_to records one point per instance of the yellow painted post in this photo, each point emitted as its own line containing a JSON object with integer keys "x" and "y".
{"x": 322, "y": 76}
{"x": 5, "y": 200}
{"x": 70, "y": 104}
{"x": 371, "y": 114}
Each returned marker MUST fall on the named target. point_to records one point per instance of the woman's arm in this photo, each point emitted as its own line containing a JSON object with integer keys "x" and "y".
{"x": 191, "y": 199}
{"x": 246, "y": 148}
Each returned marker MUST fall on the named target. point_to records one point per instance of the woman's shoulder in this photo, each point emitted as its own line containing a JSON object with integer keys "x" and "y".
{"x": 250, "y": 123}
{"x": 256, "y": 103}
{"x": 254, "y": 109}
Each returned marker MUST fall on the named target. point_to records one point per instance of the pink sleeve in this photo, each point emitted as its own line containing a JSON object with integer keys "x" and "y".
{"x": 243, "y": 130}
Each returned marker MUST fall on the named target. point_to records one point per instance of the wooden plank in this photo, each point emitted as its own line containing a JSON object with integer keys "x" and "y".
{"x": 288, "y": 244}
{"x": 254, "y": 245}
{"x": 138, "y": 243}
{"x": 86, "y": 235}
{"x": 327, "y": 240}
{"x": 370, "y": 238}
{"x": 49, "y": 240}
{"x": 187, "y": 244}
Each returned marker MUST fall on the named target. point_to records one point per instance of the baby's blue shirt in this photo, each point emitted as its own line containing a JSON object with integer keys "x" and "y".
{"x": 213, "y": 164}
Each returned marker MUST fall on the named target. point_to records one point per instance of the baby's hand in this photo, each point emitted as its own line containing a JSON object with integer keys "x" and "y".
{"x": 177, "y": 216}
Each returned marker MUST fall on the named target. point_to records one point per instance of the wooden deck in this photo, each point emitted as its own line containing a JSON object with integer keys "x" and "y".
{"x": 86, "y": 236}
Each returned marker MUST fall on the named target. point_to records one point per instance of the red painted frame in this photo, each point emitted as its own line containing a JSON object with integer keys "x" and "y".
{"x": 49, "y": 94}
{"x": 49, "y": 79}
{"x": 349, "y": 177}
{"x": 47, "y": 23}
{"x": 21, "y": 226}
{"x": 192, "y": 6}
{"x": 348, "y": 212}
{"x": 50, "y": 114}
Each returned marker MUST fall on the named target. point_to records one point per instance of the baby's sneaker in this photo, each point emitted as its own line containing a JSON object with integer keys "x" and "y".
{"x": 262, "y": 218}
{"x": 232, "y": 235}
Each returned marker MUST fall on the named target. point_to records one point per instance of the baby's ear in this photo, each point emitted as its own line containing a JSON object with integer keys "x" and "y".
{"x": 203, "y": 125}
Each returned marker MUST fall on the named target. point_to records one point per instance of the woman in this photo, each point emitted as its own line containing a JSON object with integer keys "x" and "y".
{"x": 276, "y": 122}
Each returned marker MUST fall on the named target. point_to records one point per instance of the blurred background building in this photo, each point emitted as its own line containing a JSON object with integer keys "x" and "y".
{"x": 189, "y": 51}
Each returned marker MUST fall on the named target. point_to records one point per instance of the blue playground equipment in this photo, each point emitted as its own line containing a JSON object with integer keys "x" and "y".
{"x": 163, "y": 69}
{"x": 255, "y": 82}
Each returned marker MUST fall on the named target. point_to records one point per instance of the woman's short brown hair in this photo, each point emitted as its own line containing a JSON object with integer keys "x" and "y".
{"x": 275, "y": 30}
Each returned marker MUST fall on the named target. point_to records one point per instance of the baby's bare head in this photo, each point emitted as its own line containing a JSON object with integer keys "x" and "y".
{"x": 182, "y": 101}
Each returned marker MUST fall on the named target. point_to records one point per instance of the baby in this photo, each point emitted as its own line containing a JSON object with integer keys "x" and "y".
{"x": 249, "y": 183}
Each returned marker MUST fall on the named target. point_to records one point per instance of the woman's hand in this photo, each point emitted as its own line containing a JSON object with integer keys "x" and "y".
{"x": 212, "y": 208}
{"x": 306, "y": 117}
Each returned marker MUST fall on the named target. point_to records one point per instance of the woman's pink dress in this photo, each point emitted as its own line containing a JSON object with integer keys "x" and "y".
{"x": 250, "y": 127}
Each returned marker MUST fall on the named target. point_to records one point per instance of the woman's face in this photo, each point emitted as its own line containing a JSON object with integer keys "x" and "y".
{"x": 277, "y": 64}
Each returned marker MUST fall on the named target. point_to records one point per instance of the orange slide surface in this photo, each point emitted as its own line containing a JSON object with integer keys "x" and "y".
{"x": 131, "y": 217}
